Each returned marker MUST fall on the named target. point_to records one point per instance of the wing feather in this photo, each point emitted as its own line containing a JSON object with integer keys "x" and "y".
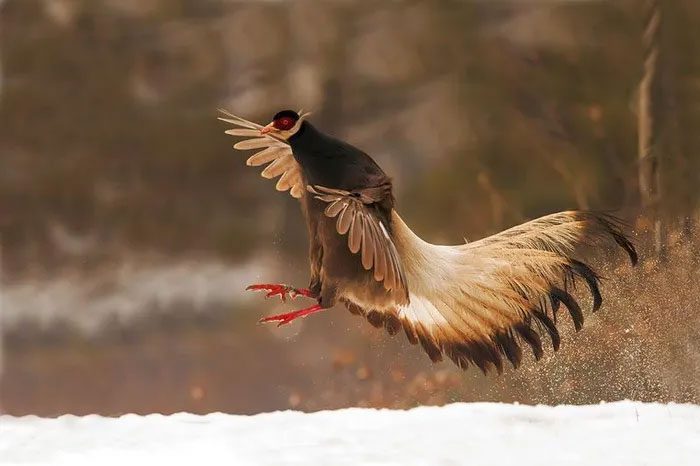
{"x": 367, "y": 250}
{"x": 356, "y": 218}
{"x": 266, "y": 156}
{"x": 243, "y": 132}
{"x": 344, "y": 218}
{"x": 256, "y": 143}
{"x": 277, "y": 167}
{"x": 276, "y": 153}
{"x": 355, "y": 238}
{"x": 285, "y": 181}
{"x": 297, "y": 190}
{"x": 335, "y": 207}
{"x": 379, "y": 256}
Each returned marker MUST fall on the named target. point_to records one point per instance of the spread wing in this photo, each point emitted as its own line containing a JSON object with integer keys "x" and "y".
{"x": 276, "y": 153}
{"x": 357, "y": 217}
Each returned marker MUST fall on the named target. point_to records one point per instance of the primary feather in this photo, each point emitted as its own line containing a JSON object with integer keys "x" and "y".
{"x": 274, "y": 152}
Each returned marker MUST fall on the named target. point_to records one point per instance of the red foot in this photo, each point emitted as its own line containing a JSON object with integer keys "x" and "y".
{"x": 281, "y": 290}
{"x": 290, "y": 316}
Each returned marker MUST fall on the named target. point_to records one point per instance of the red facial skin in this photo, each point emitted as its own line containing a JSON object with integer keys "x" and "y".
{"x": 280, "y": 124}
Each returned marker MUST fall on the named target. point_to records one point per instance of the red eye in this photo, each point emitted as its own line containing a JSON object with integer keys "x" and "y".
{"x": 284, "y": 123}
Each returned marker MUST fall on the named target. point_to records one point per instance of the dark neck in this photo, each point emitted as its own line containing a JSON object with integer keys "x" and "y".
{"x": 322, "y": 158}
{"x": 311, "y": 145}
{"x": 333, "y": 163}
{"x": 306, "y": 130}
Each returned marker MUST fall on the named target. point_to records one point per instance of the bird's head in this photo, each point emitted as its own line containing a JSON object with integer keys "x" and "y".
{"x": 284, "y": 124}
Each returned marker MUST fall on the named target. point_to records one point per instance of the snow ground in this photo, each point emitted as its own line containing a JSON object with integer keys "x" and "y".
{"x": 621, "y": 433}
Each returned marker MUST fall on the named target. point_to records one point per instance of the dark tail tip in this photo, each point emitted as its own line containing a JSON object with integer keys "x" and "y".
{"x": 550, "y": 326}
{"x": 592, "y": 279}
{"x": 614, "y": 226}
{"x": 571, "y": 305}
{"x": 532, "y": 339}
{"x": 627, "y": 245}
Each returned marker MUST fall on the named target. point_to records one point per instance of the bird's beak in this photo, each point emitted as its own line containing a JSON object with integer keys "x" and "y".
{"x": 267, "y": 129}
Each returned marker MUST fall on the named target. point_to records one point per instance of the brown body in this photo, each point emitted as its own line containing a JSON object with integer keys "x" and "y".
{"x": 474, "y": 303}
{"x": 336, "y": 272}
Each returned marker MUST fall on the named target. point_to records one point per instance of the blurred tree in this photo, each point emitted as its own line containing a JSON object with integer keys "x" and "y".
{"x": 650, "y": 120}
{"x": 667, "y": 181}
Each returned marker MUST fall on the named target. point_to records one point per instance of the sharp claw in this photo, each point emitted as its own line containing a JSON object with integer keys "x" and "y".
{"x": 277, "y": 292}
{"x": 284, "y": 319}
{"x": 281, "y": 290}
{"x": 280, "y": 320}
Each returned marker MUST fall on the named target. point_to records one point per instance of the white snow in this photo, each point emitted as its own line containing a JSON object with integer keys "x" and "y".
{"x": 127, "y": 290}
{"x": 621, "y": 433}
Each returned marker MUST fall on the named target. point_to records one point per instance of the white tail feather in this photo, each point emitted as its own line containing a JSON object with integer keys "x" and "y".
{"x": 474, "y": 302}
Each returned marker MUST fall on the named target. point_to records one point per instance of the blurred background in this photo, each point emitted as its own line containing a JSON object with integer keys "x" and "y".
{"x": 130, "y": 227}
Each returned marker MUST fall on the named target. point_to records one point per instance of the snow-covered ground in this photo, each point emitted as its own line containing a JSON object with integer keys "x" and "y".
{"x": 621, "y": 433}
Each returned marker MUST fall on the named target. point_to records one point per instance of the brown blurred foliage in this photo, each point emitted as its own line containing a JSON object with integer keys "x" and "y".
{"x": 502, "y": 111}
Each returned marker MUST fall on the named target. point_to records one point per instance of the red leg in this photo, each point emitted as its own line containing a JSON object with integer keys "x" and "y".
{"x": 287, "y": 318}
{"x": 281, "y": 290}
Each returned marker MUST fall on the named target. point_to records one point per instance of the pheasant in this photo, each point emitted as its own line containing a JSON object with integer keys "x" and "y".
{"x": 475, "y": 303}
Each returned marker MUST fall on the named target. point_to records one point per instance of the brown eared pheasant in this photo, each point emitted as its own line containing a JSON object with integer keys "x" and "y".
{"x": 474, "y": 303}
